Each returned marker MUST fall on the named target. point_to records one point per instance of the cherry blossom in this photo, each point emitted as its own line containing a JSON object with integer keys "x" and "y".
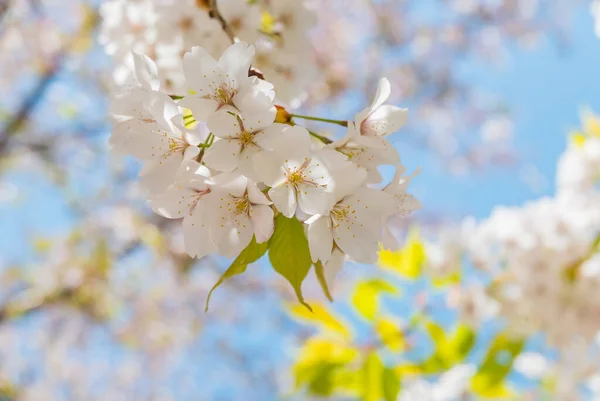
{"x": 380, "y": 119}
{"x": 237, "y": 211}
{"x": 354, "y": 223}
{"x": 221, "y": 83}
{"x": 297, "y": 176}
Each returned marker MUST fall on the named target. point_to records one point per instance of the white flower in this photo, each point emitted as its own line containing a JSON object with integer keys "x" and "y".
{"x": 156, "y": 135}
{"x": 366, "y": 151}
{"x": 406, "y": 203}
{"x": 237, "y": 210}
{"x": 297, "y": 177}
{"x": 379, "y": 119}
{"x": 241, "y": 137}
{"x": 223, "y": 83}
{"x": 146, "y": 72}
{"x": 354, "y": 223}
{"x": 186, "y": 199}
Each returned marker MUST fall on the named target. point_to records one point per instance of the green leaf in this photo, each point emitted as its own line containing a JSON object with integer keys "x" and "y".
{"x": 449, "y": 350}
{"x": 250, "y": 254}
{"x": 366, "y": 296}
{"x": 289, "y": 253}
{"x": 372, "y": 378}
{"x": 391, "y": 384}
{"x": 321, "y": 277}
{"x": 489, "y": 379}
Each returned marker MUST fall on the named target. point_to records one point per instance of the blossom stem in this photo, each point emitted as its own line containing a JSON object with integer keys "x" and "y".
{"x": 209, "y": 141}
{"x": 176, "y": 97}
{"x": 320, "y": 137}
{"x": 343, "y": 123}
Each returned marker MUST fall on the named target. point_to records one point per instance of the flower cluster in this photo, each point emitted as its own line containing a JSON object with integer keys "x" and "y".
{"x": 543, "y": 259}
{"x": 166, "y": 29}
{"x": 218, "y": 159}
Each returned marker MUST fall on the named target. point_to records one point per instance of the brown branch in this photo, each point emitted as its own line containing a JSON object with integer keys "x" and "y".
{"x": 213, "y": 12}
{"x": 22, "y": 115}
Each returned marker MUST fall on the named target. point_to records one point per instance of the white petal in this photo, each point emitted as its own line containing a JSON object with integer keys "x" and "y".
{"x": 163, "y": 109}
{"x": 314, "y": 200}
{"x": 246, "y": 165}
{"x": 395, "y": 117}
{"x": 359, "y": 243}
{"x": 157, "y": 175}
{"x": 384, "y": 121}
{"x": 175, "y": 203}
{"x": 373, "y": 202}
{"x": 333, "y": 266}
{"x": 191, "y": 170}
{"x": 146, "y": 71}
{"x": 223, "y": 155}
{"x": 190, "y": 153}
{"x": 262, "y": 222}
{"x": 236, "y": 59}
{"x": 199, "y": 68}
{"x": 346, "y": 181}
{"x": 255, "y": 196}
{"x": 320, "y": 239}
{"x": 407, "y": 204}
{"x": 269, "y": 168}
{"x": 235, "y": 237}
{"x": 224, "y": 124}
{"x": 284, "y": 198}
{"x": 259, "y": 119}
{"x": 293, "y": 144}
{"x": 384, "y": 89}
{"x": 197, "y": 239}
{"x": 317, "y": 172}
{"x": 231, "y": 183}
{"x": 269, "y": 136}
{"x": 198, "y": 134}
{"x": 201, "y": 108}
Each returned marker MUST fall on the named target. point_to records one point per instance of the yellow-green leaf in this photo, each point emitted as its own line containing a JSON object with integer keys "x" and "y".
{"x": 440, "y": 282}
{"x": 497, "y": 364}
{"x": 449, "y": 350}
{"x": 322, "y": 281}
{"x": 321, "y": 318}
{"x": 372, "y": 378}
{"x": 390, "y": 385}
{"x": 391, "y": 334}
{"x": 366, "y": 297}
{"x": 408, "y": 261}
{"x": 250, "y": 254}
{"x": 321, "y": 367}
{"x": 289, "y": 253}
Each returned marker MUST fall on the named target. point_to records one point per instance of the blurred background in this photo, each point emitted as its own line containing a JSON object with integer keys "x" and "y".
{"x": 98, "y": 300}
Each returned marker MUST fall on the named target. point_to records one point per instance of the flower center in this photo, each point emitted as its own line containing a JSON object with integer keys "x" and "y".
{"x": 246, "y": 139}
{"x": 341, "y": 213}
{"x": 295, "y": 177}
{"x": 242, "y": 205}
{"x": 222, "y": 93}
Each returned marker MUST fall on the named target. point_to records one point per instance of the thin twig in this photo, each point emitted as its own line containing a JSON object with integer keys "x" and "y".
{"x": 213, "y": 12}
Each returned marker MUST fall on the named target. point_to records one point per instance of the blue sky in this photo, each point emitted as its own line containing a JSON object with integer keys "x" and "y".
{"x": 545, "y": 90}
